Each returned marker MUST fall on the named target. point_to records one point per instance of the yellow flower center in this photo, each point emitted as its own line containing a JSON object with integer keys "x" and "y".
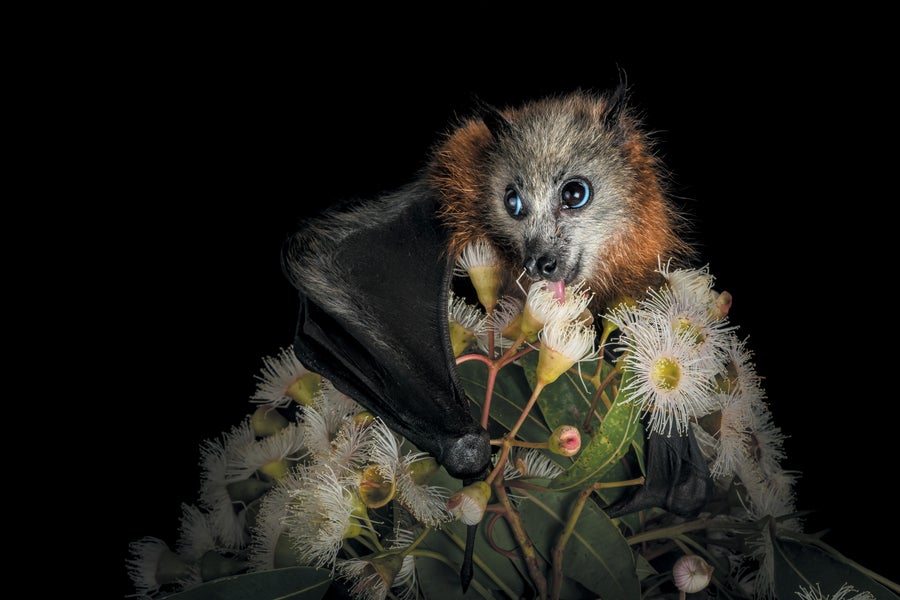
{"x": 688, "y": 329}
{"x": 665, "y": 374}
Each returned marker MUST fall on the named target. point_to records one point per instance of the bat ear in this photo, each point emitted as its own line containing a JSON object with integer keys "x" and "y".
{"x": 497, "y": 124}
{"x": 615, "y": 106}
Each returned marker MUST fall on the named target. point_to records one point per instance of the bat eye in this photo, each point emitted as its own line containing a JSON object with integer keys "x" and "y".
{"x": 575, "y": 193}
{"x": 513, "y": 203}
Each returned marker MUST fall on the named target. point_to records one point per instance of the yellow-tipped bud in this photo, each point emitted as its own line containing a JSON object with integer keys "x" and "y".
{"x": 267, "y": 421}
{"x": 565, "y": 440}
{"x": 468, "y": 504}
{"x": 305, "y": 388}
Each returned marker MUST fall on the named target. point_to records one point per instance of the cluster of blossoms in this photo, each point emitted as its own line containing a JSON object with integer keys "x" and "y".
{"x": 312, "y": 479}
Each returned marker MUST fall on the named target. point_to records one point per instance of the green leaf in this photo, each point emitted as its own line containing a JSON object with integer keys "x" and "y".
{"x": 596, "y": 555}
{"x": 797, "y": 564}
{"x": 611, "y": 443}
{"x": 295, "y": 583}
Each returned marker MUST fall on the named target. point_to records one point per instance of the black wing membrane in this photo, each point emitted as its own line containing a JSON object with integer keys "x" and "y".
{"x": 677, "y": 478}
{"x": 374, "y": 281}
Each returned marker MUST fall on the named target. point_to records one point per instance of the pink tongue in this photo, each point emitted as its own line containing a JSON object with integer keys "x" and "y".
{"x": 559, "y": 290}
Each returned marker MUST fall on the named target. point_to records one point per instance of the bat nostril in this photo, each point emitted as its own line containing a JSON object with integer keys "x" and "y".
{"x": 530, "y": 266}
{"x": 546, "y": 266}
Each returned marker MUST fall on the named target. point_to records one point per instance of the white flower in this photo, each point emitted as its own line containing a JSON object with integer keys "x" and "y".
{"x": 465, "y": 320}
{"x": 499, "y": 322}
{"x": 709, "y": 338}
{"x": 481, "y": 264}
{"x": 270, "y": 455}
{"x": 371, "y": 577}
{"x": 469, "y": 503}
{"x": 226, "y": 519}
{"x": 767, "y": 439}
{"x": 542, "y": 306}
{"x": 269, "y": 547}
{"x": 196, "y": 535}
{"x": 426, "y": 503}
{"x": 563, "y": 343}
{"x": 842, "y": 594}
{"x": 530, "y": 463}
{"x": 284, "y": 379}
{"x": 740, "y": 372}
{"x": 330, "y": 432}
{"x": 733, "y": 435}
{"x": 323, "y": 512}
{"x": 665, "y": 375}
{"x": 153, "y": 565}
{"x": 692, "y": 286}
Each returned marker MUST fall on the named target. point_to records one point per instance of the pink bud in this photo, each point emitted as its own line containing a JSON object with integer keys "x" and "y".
{"x": 565, "y": 440}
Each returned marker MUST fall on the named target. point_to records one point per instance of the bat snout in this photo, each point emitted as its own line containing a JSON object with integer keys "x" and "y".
{"x": 544, "y": 266}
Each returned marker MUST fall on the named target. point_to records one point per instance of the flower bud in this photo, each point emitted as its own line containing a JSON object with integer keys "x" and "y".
{"x": 722, "y": 305}
{"x": 468, "y": 504}
{"x": 565, "y": 440}
{"x": 691, "y": 573}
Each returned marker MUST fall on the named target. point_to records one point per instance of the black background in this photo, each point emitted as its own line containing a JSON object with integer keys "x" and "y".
{"x": 235, "y": 139}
